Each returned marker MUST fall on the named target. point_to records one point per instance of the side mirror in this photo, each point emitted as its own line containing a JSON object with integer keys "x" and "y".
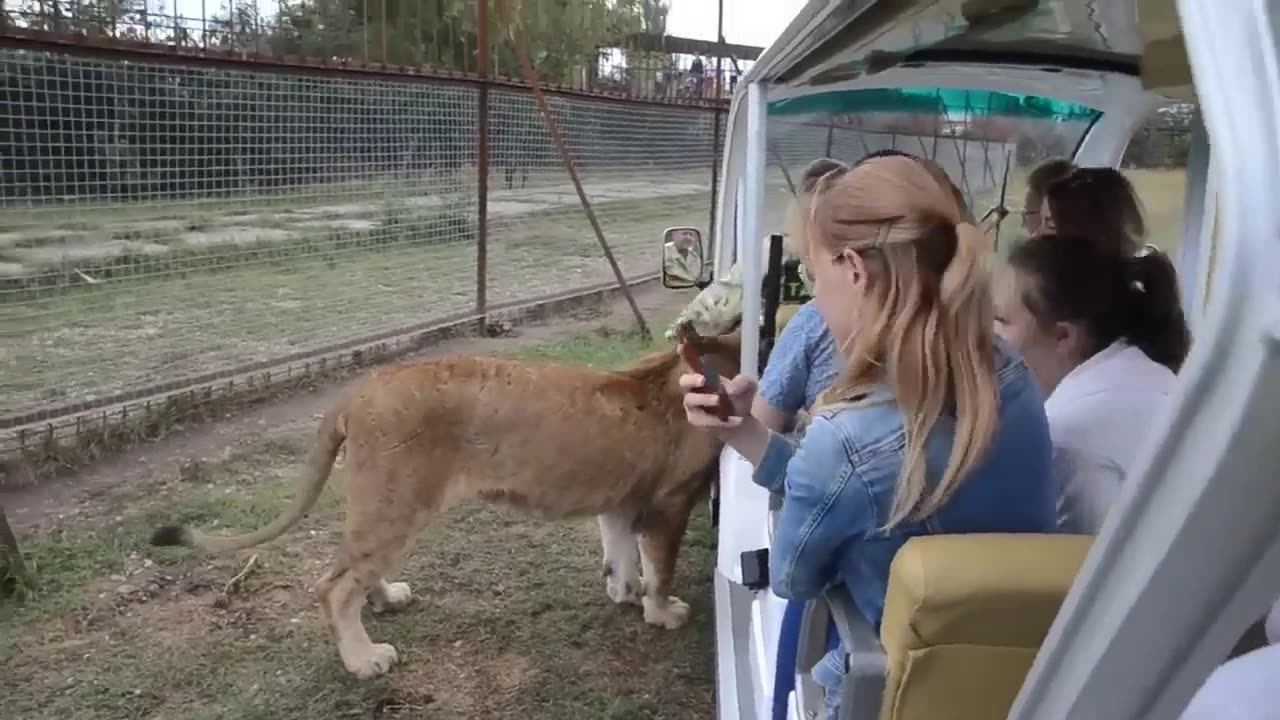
{"x": 684, "y": 263}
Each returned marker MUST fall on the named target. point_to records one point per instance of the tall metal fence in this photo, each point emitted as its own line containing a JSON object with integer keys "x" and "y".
{"x": 180, "y": 224}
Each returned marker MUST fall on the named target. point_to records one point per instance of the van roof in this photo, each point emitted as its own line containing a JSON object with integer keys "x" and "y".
{"x": 859, "y": 42}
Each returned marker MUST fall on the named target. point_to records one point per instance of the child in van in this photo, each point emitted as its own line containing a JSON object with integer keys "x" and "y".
{"x": 932, "y": 425}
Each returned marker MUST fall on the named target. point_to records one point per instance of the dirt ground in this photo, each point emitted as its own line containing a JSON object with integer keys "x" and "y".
{"x": 510, "y": 618}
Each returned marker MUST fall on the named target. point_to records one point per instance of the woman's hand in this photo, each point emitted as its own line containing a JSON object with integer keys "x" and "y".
{"x": 700, "y": 407}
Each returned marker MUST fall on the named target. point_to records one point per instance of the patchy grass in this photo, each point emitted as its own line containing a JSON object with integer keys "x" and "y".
{"x": 604, "y": 348}
{"x": 510, "y": 620}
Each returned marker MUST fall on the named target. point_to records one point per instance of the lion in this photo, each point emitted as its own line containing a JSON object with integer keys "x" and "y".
{"x": 558, "y": 440}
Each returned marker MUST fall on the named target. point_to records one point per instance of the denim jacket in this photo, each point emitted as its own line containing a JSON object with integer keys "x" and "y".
{"x": 803, "y": 362}
{"x": 838, "y": 486}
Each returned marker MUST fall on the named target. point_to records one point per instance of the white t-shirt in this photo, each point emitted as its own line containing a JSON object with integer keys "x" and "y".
{"x": 1246, "y": 688}
{"x": 1099, "y": 415}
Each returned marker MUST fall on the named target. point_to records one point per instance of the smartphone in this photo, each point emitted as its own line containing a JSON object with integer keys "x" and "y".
{"x": 695, "y": 363}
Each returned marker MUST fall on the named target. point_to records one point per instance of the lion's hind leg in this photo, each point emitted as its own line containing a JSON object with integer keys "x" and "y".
{"x": 383, "y": 515}
{"x": 342, "y": 595}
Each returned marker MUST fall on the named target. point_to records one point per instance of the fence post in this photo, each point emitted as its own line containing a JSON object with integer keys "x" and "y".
{"x": 482, "y": 164}
{"x": 715, "y": 126}
{"x": 715, "y": 176}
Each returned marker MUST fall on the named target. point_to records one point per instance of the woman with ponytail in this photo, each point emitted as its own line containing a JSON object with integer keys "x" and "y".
{"x": 1104, "y": 334}
{"x": 931, "y": 426}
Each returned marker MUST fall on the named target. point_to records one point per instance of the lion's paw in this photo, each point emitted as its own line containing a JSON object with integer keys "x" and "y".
{"x": 394, "y": 596}
{"x": 671, "y": 614}
{"x": 375, "y": 661}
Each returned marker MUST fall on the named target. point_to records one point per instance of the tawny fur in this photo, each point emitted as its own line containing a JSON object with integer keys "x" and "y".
{"x": 556, "y": 440}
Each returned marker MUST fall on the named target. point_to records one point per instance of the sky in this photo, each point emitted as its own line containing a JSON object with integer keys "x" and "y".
{"x": 747, "y": 22}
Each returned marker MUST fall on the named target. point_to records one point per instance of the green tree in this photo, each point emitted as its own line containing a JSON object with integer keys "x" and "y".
{"x": 563, "y": 35}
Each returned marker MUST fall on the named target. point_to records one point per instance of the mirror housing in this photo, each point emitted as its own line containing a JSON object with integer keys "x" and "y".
{"x": 684, "y": 263}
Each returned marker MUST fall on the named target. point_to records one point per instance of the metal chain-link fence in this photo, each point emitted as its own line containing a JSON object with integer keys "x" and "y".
{"x": 166, "y": 225}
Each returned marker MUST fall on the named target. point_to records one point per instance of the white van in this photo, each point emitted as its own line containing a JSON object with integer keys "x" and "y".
{"x": 1123, "y": 626}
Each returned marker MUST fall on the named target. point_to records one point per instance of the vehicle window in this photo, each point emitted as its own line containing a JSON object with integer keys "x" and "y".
{"x": 973, "y": 134}
{"x": 1156, "y": 163}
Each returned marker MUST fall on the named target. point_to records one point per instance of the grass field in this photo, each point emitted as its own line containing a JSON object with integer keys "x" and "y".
{"x": 511, "y": 619}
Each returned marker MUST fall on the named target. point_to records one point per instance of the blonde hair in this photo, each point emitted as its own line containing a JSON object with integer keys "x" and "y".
{"x": 941, "y": 177}
{"x": 926, "y": 324}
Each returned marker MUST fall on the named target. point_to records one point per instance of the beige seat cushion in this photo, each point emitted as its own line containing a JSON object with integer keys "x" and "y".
{"x": 964, "y": 617}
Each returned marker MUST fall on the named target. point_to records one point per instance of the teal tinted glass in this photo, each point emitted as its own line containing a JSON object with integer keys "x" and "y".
{"x": 933, "y": 101}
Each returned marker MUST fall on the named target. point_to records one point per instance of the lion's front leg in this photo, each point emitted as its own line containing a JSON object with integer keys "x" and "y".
{"x": 659, "y": 546}
{"x": 621, "y": 564}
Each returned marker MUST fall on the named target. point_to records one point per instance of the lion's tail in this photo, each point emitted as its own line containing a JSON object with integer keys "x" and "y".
{"x": 332, "y": 433}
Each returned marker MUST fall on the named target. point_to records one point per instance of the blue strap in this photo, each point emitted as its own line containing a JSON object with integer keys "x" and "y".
{"x": 785, "y": 671}
{"x": 784, "y": 680}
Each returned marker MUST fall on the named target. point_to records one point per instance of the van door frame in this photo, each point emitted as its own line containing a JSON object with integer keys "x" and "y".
{"x": 1190, "y": 554}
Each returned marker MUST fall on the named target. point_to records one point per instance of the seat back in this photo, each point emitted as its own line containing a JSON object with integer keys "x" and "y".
{"x": 964, "y": 617}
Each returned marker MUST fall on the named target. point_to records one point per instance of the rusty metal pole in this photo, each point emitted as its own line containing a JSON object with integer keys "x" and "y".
{"x": 720, "y": 50}
{"x": 482, "y": 164}
{"x": 715, "y": 175}
{"x": 715, "y": 128}
{"x": 386, "y": 26}
{"x": 520, "y": 45}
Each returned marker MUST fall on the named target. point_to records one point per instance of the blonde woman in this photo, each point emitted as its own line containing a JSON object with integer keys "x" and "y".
{"x": 932, "y": 425}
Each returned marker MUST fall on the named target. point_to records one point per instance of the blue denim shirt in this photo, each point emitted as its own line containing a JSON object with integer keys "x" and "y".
{"x": 838, "y": 487}
{"x": 802, "y": 363}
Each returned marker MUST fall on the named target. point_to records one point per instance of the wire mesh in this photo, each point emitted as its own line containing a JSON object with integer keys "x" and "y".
{"x": 162, "y": 221}
{"x": 644, "y": 168}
